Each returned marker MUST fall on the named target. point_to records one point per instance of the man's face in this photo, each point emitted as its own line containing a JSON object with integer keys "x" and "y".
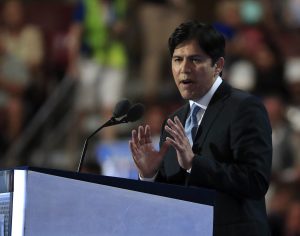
{"x": 192, "y": 70}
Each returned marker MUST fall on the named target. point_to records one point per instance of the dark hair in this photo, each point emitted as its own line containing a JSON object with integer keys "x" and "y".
{"x": 210, "y": 41}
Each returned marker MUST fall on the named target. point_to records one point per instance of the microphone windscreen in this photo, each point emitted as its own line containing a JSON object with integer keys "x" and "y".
{"x": 135, "y": 112}
{"x": 121, "y": 108}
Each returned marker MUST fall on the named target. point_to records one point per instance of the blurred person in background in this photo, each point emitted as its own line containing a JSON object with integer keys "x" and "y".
{"x": 257, "y": 65}
{"x": 282, "y": 133}
{"x": 291, "y": 13}
{"x": 228, "y": 18}
{"x": 255, "y": 62}
{"x": 283, "y": 193}
{"x": 292, "y": 77}
{"x": 157, "y": 19}
{"x": 97, "y": 57}
{"x": 269, "y": 69}
{"x": 283, "y": 163}
{"x": 292, "y": 219}
{"x": 21, "y": 57}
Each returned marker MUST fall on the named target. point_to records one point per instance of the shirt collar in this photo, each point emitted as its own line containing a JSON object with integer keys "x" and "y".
{"x": 204, "y": 101}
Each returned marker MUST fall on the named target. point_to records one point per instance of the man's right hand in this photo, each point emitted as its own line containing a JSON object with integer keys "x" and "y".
{"x": 146, "y": 158}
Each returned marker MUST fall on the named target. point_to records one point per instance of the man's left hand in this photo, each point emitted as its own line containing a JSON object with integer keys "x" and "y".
{"x": 180, "y": 142}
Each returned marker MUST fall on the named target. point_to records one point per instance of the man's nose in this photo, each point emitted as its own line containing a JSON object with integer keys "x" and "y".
{"x": 186, "y": 66}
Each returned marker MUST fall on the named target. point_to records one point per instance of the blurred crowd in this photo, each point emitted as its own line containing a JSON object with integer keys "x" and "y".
{"x": 112, "y": 49}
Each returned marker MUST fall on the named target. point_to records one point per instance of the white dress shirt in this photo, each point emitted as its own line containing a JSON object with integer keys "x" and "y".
{"x": 204, "y": 101}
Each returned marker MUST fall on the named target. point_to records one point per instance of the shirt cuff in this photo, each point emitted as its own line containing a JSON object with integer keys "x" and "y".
{"x": 148, "y": 179}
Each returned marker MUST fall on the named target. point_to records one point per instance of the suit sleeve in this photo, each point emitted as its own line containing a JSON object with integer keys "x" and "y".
{"x": 248, "y": 170}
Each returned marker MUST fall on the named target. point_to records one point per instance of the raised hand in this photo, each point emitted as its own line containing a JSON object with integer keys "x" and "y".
{"x": 180, "y": 142}
{"x": 146, "y": 158}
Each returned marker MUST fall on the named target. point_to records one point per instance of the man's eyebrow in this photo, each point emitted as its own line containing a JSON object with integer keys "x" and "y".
{"x": 190, "y": 56}
{"x": 197, "y": 55}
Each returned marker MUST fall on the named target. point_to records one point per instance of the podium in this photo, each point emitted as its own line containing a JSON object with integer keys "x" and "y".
{"x": 42, "y": 202}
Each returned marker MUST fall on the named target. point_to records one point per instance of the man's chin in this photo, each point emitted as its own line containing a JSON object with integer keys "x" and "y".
{"x": 188, "y": 96}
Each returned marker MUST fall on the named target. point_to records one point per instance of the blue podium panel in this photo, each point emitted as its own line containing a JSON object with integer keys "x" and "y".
{"x": 46, "y": 204}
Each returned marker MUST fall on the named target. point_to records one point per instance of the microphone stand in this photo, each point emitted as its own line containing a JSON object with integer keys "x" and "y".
{"x": 134, "y": 113}
{"x": 110, "y": 122}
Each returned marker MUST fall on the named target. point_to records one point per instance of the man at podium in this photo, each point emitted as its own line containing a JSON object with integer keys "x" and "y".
{"x": 220, "y": 139}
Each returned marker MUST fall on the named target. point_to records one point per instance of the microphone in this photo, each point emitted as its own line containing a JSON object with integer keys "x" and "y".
{"x": 135, "y": 113}
{"x": 122, "y": 109}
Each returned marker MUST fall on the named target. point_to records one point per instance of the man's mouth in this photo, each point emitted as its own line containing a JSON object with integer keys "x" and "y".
{"x": 186, "y": 81}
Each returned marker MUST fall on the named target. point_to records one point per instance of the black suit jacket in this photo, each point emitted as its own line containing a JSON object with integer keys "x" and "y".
{"x": 233, "y": 153}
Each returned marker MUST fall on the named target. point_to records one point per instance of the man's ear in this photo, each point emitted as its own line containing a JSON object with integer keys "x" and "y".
{"x": 219, "y": 65}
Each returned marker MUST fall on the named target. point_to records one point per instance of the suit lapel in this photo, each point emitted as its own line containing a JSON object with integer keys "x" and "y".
{"x": 172, "y": 169}
{"x": 214, "y": 108}
{"x": 183, "y": 113}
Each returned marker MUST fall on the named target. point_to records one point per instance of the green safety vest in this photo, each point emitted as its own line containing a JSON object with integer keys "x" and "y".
{"x": 105, "y": 50}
